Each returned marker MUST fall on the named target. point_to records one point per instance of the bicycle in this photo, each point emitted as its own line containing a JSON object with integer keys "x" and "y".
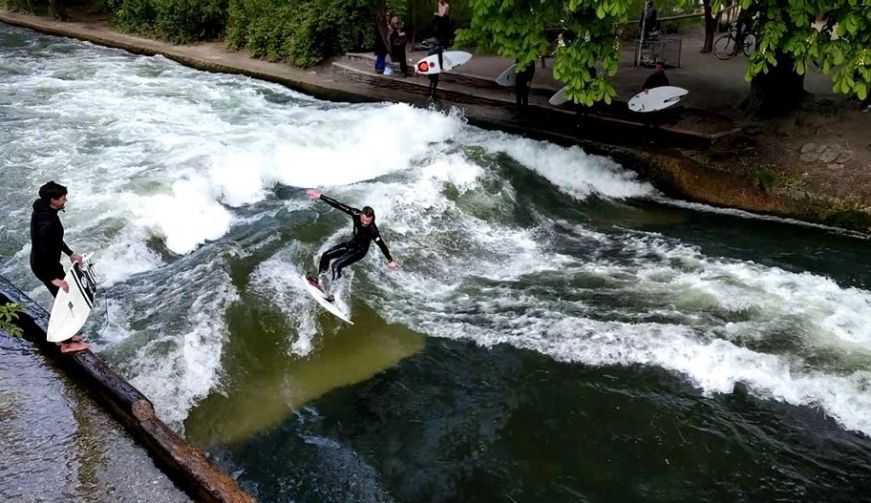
{"x": 728, "y": 45}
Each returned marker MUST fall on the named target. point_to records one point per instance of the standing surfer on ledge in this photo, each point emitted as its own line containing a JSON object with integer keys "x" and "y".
{"x": 47, "y": 243}
{"x": 345, "y": 254}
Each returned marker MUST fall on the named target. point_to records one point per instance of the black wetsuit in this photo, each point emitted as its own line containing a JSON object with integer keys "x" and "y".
{"x": 522, "y": 83}
{"x": 47, "y": 238}
{"x": 434, "y": 78}
{"x": 345, "y": 254}
{"x": 656, "y": 79}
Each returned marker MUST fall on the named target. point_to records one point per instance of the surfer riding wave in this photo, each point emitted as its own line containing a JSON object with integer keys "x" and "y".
{"x": 344, "y": 254}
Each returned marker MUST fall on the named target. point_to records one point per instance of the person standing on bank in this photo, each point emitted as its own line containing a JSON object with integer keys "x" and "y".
{"x": 380, "y": 48}
{"x": 398, "y": 41}
{"x": 522, "y": 85}
{"x": 47, "y": 243}
{"x": 442, "y": 22}
{"x": 657, "y": 78}
{"x": 344, "y": 254}
{"x": 434, "y": 77}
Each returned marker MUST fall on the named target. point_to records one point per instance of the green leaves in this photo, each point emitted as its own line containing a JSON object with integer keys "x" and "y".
{"x": 838, "y": 44}
{"x": 591, "y": 50}
{"x": 8, "y": 315}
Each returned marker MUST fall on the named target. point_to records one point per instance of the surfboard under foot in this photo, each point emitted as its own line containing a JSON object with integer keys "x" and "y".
{"x": 312, "y": 287}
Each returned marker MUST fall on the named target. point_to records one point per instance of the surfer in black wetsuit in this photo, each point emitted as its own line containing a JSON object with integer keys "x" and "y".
{"x": 47, "y": 243}
{"x": 345, "y": 254}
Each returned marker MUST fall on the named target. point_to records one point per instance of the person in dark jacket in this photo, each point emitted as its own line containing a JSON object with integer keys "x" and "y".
{"x": 648, "y": 20}
{"x": 522, "y": 85}
{"x": 434, "y": 77}
{"x": 380, "y": 48}
{"x": 47, "y": 244}
{"x": 344, "y": 254}
{"x": 657, "y": 78}
{"x": 442, "y": 23}
{"x": 398, "y": 41}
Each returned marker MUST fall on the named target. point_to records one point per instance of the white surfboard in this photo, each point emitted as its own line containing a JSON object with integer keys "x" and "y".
{"x": 559, "y": 97}
{"x": 658, "y": 98}
{"x": 509, "y": 77}
{"x": 71, "y": 309}
{"x": 450, "y": 59}
{"x": 318, "y": 295}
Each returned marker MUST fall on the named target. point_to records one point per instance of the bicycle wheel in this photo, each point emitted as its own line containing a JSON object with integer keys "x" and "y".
{"x": 749, "y": 44}
{"x": 724, "y": 47}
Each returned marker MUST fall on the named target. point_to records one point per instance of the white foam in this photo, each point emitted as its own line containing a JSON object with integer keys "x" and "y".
{"x": 188, "y": 217}
{"x": 666, "y": 279}
{"x": 150, "y": 148}
{"x": 179, "y": 361}
{"x": 279, "y": 281}
{"x": 571, "y": 169}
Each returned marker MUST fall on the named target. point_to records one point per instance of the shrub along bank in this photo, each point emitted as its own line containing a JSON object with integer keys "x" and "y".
{"x": 300, "y": 32}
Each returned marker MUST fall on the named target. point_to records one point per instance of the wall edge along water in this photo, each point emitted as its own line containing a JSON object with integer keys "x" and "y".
{"x": 184, "y": 464}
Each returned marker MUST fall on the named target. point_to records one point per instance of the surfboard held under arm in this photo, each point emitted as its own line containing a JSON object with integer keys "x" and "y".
{"x": 313, "y": 289}
{"x": 658, "y": 98}
{"x": 71, "y": 309}
{"x": 450, "y": 59}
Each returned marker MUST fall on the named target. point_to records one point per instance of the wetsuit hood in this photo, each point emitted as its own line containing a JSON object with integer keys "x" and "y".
{"x": 41, "y": 206}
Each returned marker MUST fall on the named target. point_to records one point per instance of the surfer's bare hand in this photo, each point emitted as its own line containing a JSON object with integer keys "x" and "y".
{"x": 393, "y": 265}
{"x": 313, "y": 193}
{"x": 76, "y": 258}
{"x": 63, "y": 285}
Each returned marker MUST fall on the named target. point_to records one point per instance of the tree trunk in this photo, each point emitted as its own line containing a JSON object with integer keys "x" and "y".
{"x": 777, "y": 92}
{"x": 710, "y": 28}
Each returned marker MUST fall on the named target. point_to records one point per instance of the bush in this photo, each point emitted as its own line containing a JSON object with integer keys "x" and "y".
{"x": 304, "y": 33}
{"x": 183, "y": 21}
{"x": 178, "y": 21}
{"x": 133, "y": 16}
{"x": 17, "y": 5}
{"x": 8, "y": 315}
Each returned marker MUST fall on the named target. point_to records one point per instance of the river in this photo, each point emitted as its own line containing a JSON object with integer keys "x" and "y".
{"x": 557, "y": 328}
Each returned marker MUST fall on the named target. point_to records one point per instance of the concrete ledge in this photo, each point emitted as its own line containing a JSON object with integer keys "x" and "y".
{"x": 184, "y": 464}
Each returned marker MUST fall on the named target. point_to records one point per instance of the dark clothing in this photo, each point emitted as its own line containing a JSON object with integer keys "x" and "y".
{"x": 522, "y": 83}
{"x": 380, "y": 50}
{"x": 47, "y": 243}
{"x": 443, "y": 29}
{"x": 656, "y": 79}
{"x": 341, "y": 255}
{"x": 743, "y": 27}
{"x": 433, "y": 84}
{"x": 351, "y": 251}
{"x": 434, "y": 78}
{"x": 648, "y": 21}
{"x": 397, "y": 50}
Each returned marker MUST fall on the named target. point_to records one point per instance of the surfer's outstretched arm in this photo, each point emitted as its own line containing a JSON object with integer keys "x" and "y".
{"x": 381, "y": 244}
{"x": 315, "y": 194}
